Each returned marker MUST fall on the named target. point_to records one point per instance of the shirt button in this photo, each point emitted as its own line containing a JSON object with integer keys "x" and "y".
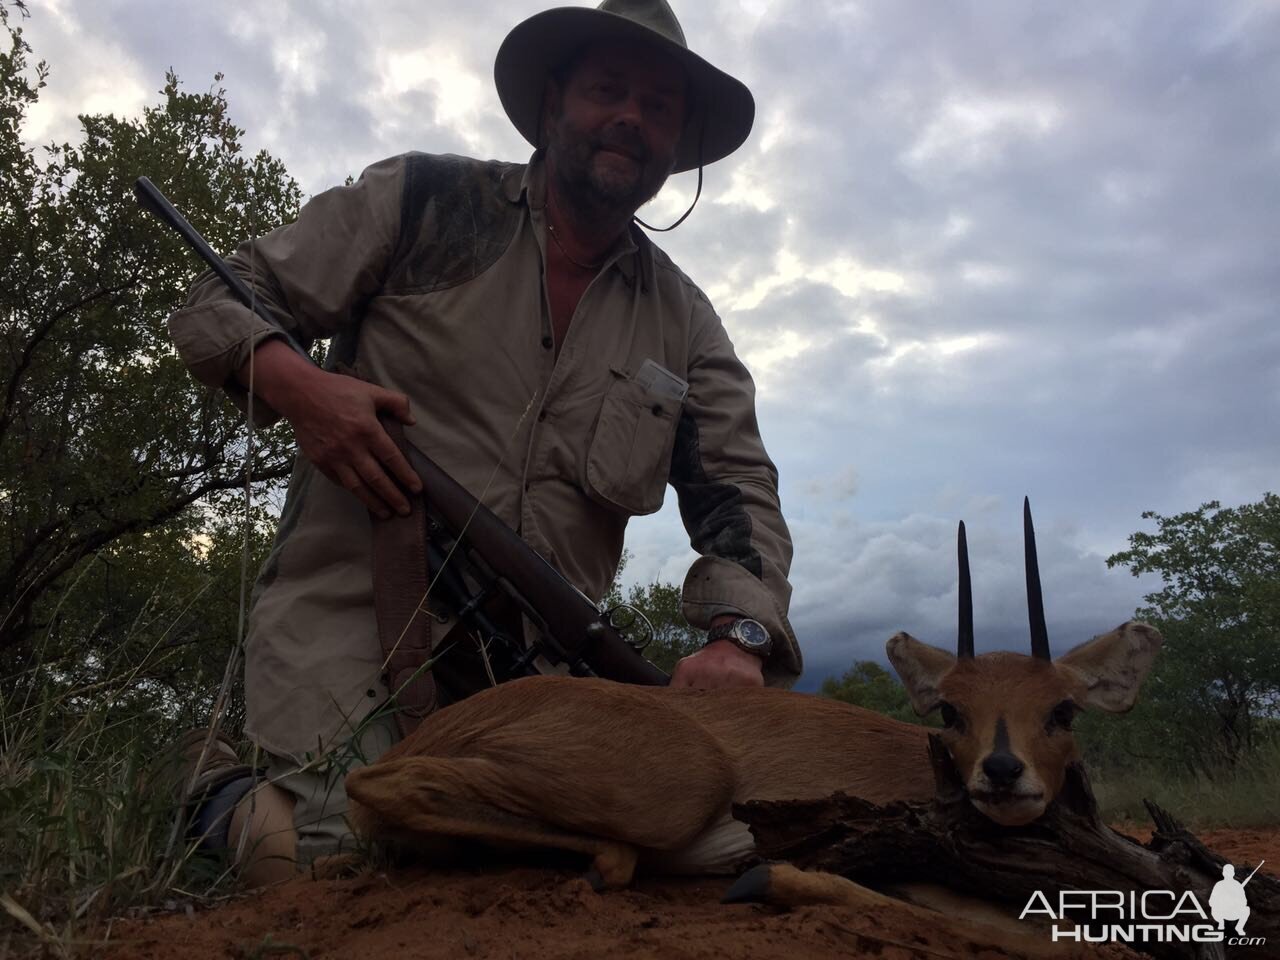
{"x": 542, "y": 415}
{"x": 527, "y": 486}
{"x": 657, "y": 410}
{"x": 548, "y": 342}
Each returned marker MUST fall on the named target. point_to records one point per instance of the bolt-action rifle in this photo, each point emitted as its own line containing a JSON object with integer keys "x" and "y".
{"x": 467, "y": 556}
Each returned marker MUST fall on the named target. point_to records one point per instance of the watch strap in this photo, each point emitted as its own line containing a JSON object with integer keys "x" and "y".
{"x": 732, "y": 631}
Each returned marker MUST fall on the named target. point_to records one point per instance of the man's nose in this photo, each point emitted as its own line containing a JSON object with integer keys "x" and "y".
{"x": 630, "y": 111}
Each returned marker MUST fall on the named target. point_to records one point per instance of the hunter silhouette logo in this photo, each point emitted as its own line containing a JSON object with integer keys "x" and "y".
{"x": 1228, "y": 900}
{"x": 1159, "y": 916}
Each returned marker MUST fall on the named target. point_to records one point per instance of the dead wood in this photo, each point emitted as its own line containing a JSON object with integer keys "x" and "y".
{"x": 947, "y": 841}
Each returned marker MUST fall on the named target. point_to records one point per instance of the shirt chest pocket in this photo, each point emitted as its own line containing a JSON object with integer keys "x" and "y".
{"x": 630, "y": 453}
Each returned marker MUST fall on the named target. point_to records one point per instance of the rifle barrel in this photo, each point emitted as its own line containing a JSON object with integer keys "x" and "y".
{"x": 577, "y": 626}
{"x": 150, "y": 198}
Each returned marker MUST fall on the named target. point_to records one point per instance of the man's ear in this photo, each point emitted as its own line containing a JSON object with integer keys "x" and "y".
{"x": 921, "y": 668}
{"x": 1112, "y": 666}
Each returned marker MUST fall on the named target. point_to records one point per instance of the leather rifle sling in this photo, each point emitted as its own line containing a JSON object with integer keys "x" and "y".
{"x": 400, "y": 580}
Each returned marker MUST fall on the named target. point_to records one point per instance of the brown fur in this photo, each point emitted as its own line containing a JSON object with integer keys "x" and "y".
{"x": 1022, "y": 692}
{"x": 652, "y": 767}
{"x": 619, "y": 771}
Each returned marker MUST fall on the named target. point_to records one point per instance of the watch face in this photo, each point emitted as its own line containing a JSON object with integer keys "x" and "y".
{"x": 752, "y": 634}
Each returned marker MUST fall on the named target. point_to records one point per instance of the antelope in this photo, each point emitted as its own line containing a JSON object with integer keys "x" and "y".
{"x": 646, "y": 776}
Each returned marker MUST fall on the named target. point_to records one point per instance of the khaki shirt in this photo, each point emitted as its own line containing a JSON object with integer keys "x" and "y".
{"x": 428, "y": 273}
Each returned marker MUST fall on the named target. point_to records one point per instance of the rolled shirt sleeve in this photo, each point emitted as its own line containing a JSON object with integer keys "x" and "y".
{"x": 728, "y": 493}
{"x": 312, "y": 275}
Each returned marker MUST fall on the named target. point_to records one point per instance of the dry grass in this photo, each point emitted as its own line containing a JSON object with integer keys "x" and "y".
{"x": 86, "y": 829}
{"x": 1244, "y": 796}
{"x": 85, "y": 832}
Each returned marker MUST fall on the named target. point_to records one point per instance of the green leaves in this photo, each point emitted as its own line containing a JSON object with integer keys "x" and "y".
{"x": 867, "y": 684}
{"x": 673, "y": 638}
{"x": 122, "y": 528}
{"x": 1212, "y": 697}
{"x": 103, "y": 434}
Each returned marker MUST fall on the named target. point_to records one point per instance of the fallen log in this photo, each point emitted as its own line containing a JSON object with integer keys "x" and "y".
{"x": 1069, "y": 849}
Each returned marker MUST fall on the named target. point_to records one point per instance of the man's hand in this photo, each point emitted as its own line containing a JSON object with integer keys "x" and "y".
{"x": 721, "y": 663}
{"x": 335, "y": 419}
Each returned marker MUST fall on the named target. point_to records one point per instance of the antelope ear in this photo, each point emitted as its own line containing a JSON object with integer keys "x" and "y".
{"x": 1113, "y": 665}
{"x": 921, "y": 668}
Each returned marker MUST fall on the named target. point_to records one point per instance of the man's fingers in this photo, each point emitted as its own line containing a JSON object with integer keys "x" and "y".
{"x": 349, "y": 480}
{"x": 710, "y": 668}
{"x": 376, "y": 479}
{"x": 352, "y": 448}
{"x": 395, "y": 403}
{"x": 389, "y": 454}
{"x": 744, "y": 678}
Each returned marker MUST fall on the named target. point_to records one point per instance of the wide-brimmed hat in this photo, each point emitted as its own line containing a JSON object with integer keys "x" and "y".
{"x": 725, "y": 107}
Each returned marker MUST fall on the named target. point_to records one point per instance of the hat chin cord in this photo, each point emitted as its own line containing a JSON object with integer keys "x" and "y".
{"x": 696, "y": 195}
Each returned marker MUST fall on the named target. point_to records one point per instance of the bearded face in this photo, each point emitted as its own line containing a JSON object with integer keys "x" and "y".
{"x": 613, "y": 124}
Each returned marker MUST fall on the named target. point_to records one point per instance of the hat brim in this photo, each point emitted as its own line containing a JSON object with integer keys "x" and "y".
{"x": 725, "y": 107}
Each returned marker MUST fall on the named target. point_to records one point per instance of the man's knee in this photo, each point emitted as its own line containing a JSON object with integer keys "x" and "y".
{"x": 262, "y": 837}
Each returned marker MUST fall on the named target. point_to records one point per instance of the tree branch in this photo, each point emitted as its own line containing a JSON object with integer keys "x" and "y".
{"x": 76, "y": 548}
{"x": 947, "y": 841}
{"x": 42, "y": 330}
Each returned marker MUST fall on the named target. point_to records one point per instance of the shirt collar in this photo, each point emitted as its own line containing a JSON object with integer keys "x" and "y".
{"x": 528, "y": 184}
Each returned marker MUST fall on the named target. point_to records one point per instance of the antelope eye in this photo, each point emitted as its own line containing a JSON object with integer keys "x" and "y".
{"x": 951, "y": 717}
{"x": 1062, "y": 715}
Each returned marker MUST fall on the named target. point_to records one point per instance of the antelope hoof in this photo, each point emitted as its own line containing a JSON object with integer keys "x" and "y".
{"x": 613, "y": 868}
{"x": 751, "y": 887}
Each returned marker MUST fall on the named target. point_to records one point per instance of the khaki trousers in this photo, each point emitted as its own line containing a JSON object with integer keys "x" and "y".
{"x": 320, "y": 798}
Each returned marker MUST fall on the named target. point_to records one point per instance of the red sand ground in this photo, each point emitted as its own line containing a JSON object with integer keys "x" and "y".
{"x": 536, "y": 913}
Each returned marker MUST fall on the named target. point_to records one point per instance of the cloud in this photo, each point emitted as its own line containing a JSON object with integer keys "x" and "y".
{"x": 117, "y": 85}
{"x": 973, "y": 131}
{"x": 972, "y": 251}
{"x": 859, "y": 581}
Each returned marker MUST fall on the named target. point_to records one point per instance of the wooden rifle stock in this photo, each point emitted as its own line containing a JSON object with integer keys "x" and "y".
{"x": 574, "y": 629}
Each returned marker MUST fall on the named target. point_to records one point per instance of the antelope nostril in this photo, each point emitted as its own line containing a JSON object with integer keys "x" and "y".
{"x": 1002, "y": 768}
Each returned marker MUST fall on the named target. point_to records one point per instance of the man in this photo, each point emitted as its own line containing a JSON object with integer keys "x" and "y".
{"x": 538, "y": 346}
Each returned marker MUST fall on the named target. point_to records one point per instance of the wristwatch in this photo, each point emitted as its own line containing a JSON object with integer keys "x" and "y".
{"x": 748, "y": 635}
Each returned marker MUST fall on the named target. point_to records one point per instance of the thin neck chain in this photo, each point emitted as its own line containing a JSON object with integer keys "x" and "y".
{"x": 551, "y": 230}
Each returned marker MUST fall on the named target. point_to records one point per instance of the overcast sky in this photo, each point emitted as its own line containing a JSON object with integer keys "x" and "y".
{"x": 971, "y": 251}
